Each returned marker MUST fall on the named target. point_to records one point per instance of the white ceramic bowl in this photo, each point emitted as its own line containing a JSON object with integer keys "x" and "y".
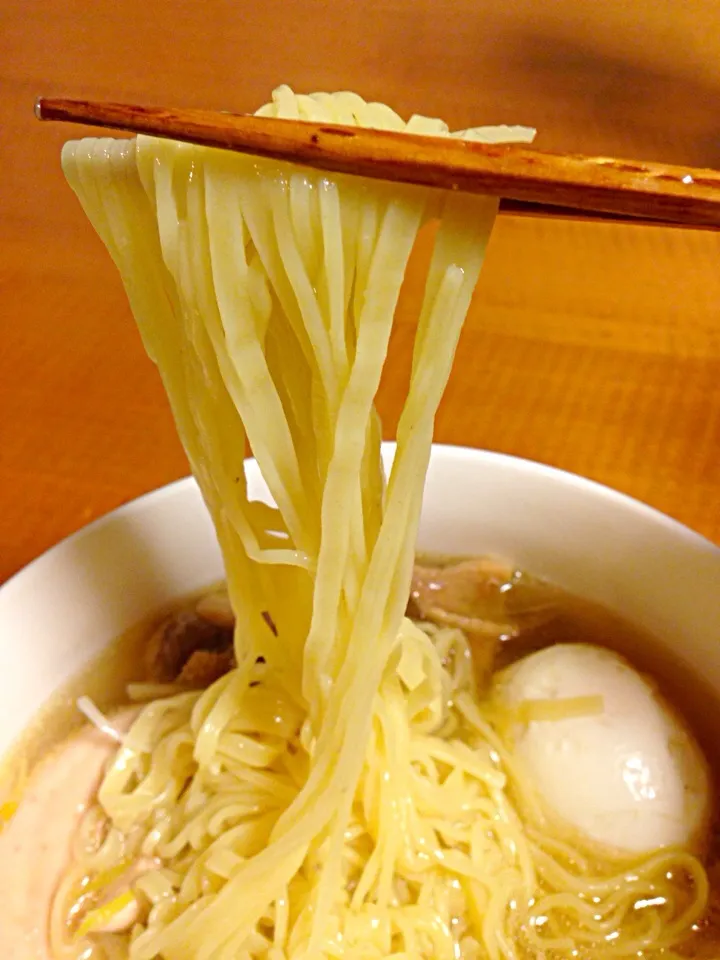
{"x": 60, "y": 611}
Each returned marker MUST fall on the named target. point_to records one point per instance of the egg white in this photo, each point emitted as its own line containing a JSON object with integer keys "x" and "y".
{"x": 632, "y": 778}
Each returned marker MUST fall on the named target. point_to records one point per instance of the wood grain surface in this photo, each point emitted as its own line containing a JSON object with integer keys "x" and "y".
{"x": 593, "y": 347}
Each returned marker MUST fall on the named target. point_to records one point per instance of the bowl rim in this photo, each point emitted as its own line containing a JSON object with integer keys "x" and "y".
{"x": 447, "y": 451}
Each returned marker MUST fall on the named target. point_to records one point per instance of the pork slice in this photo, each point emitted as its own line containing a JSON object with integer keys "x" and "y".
{"x": 35, "y": 846}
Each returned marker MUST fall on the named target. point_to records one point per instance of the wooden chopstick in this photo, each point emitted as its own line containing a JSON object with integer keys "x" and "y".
{"x": 528, "y": 180}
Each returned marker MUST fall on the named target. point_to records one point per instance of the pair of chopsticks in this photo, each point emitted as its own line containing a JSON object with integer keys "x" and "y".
{"x": 528, "y": 181}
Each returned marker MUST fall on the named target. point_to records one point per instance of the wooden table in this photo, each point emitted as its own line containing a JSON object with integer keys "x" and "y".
{"x": 592, "y": 347}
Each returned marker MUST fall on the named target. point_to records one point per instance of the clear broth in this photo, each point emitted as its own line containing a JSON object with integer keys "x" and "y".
{"x": 574, "y": 620}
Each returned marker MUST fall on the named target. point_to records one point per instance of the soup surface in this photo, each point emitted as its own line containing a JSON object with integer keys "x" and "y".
{"x": 56, "y": 902}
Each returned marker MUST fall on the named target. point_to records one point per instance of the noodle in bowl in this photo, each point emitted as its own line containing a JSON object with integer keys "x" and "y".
{"x": 59, "y": 613}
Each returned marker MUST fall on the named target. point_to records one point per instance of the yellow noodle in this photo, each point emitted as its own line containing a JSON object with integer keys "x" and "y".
{"x": 351, "y": 796}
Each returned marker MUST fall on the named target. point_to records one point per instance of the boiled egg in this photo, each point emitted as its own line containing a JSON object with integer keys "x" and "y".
{"x": 627, "y": 774}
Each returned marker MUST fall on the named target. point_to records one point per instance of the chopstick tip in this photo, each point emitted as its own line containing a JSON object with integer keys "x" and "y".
{"x": 39, "y": 102}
